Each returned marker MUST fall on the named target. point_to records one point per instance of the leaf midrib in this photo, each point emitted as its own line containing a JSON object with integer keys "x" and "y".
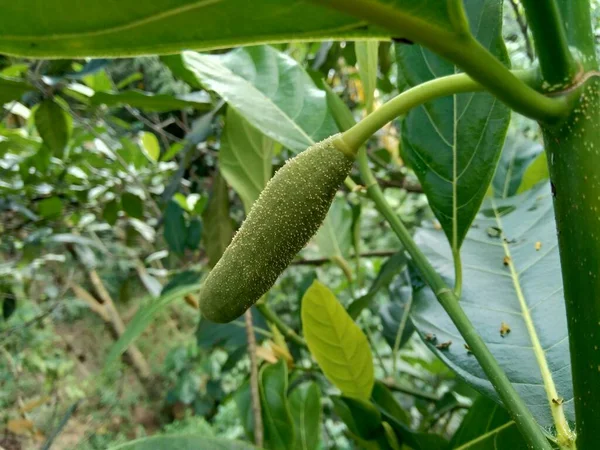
{"x": 557, "y": 410}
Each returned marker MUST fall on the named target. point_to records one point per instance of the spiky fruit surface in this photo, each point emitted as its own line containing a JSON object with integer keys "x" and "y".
{"x": 287, "y": 214}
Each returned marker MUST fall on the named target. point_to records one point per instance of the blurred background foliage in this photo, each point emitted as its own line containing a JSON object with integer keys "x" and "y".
{"x": 111, "y": 196}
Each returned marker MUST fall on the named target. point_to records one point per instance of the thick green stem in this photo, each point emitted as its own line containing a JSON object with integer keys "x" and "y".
{"x": 462, "y": 49}
{"x": 513, "y": 403}
{"x": 574, "y": 159}
{"x": 287, "y": 332}
{"x": 546, "y": 24}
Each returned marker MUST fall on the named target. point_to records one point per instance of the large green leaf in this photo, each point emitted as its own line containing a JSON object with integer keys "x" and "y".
{"x": 183, "y": 442}
{"x": 218, "y": 229}
{"x": 453, "y": 144}
{"x": 279, "y": 426}
{"x": 337, "y": 343}
{"x": 270, "y": 90}
{"x": 245, "y": 157}
{"x": 487, "y": 425}
{"x": 128, "y": 27}
{"x": 518, "y": 154}
{"x": 305, "y": 406}
{"x": 512, "y": 279}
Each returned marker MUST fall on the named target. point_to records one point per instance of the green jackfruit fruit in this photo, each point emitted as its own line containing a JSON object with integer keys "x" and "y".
{"x": 286, "y": 215}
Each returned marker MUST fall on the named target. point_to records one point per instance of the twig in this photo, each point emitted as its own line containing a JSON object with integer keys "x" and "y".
{"x": 321, "y": 261}
{"x": 524, "y": 29}
{"x": 275, "y": 320}
{"x": 254, "y": 394}
{"x": 411, "y": 391}
{"x": 154, "y": 126}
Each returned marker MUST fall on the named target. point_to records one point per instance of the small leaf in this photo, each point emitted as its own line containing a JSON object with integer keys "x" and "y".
{"x": 279, "y": 426}
{"x": 144, "y": 317}
{"x": 12, "y": 89}
{"x": 150, "y": 146}
{"x": 132, "y": 205}
{"x": 305, "y": 406}
{"x": 194, "y": 234}
{"x": 337, "y": 343}
{"x": 111, "y": 212}
{"x": 52, "y": 123}
{"x": 50, "y": 208}
{"x": 517, "y": 156}
{"x": 245, "y": 158}
{"x": 175, "y": 231}
{"x": 535, "y": 173}
{"x": 218, "y": 229}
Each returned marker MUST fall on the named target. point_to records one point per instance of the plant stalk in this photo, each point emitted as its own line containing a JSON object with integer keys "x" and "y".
{"x": 550, "y": 40}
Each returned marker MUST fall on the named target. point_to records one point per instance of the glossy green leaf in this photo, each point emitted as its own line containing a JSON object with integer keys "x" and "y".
{"x": 52, "y": 123}
{"x": 228, "y": 336}
{"x": 270, "y": 90}
{"x": 367, "y": 56}
{"x": 535, "y": 173}
{"x": 132, "y": 205}
{"x": 184, "y": 442}
{"x": 518, "y": 154}
{"x": 487, "y": 425}
{"x": 12, "y": 89}
{"x": 512, "y": 279}
{"x": 128, "y": 27}
{"x": 175, "y": 228}
{"x": 279, "y": 426}
{"x": 384, "y": 400}
{"x": 153, "y": 102}
{"x": 150, "y": 146}
{"x": 305, "y": 406}
{"x": 337, "y": 343}
{"x": 218, "y": 229}
{"x": 453, "y": 144}
{"x": 245, "y": 158}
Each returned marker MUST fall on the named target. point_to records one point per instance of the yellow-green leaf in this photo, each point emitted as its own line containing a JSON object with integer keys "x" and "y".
{"x": 337, "y": 343}
{"x": 150, "y": 146}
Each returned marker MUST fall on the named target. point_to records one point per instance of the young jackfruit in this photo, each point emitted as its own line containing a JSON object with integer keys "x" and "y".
{"x": 286, "y": 215}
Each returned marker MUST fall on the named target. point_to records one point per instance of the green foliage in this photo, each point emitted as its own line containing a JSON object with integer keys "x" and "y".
{"x": 279, "y": 425}
{"x": 337, "y": 343}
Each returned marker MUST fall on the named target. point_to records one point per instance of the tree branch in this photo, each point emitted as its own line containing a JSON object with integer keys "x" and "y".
{"x": 254, "y": 394}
